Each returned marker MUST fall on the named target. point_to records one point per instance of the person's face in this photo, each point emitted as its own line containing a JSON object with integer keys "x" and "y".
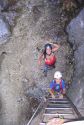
{"x": 48, "y": 50}
{"x": 58, "y": 80}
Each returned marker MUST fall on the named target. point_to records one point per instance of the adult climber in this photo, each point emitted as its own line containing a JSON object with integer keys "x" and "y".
{"x": 57, "y": 86}
{"x": 48, "y": 56}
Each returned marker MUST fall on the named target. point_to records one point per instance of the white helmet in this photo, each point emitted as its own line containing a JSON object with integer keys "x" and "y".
{"x": 58, "y": 75}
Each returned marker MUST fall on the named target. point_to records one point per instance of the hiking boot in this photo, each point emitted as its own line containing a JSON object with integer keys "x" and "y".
{"x": 45, "y": 73}
{"x": 54, "y": 66}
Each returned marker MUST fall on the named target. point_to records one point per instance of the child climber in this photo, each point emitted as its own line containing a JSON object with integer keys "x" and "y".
{"x": 57, "y": 86}
{"x": 48, "y": 56}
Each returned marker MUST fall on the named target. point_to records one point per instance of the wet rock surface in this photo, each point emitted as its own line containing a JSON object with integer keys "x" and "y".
{"x": 4, "y": 29}
{"x": 5, "y": 25}
{"x": 10, "y": 10}
{"x": 76, "y": 37}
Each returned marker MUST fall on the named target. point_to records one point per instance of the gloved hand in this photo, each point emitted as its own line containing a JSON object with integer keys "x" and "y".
{"x": 61, "y": 96}
{"x": 53, "y": 96}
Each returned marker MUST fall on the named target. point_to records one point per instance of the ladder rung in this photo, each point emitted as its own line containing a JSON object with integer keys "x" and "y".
{"x": 58, "y": 105}
{"x": 64, "y": 99}
{"x": 59, "y": 111}
{"x": 42, "y": 123}
{"x": 58, "y": 101}
{"x": 62, "y": 104}
{"x": 58, "y": 114}
{"x": 59, "y": 108}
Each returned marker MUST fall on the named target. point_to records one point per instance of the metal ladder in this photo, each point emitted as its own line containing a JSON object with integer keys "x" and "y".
{"x": 62, "y": 108}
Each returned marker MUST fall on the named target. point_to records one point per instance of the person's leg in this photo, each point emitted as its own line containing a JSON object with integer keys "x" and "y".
{"x": 45, "y": 70}
{"x": 47, "y": 67}
{"x": 52, "y": 93}
{"x": 53, "y": 66}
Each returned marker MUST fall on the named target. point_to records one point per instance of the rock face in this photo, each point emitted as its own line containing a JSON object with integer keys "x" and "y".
{"x": 20, "y": 75}
{"x": 80, "y": 1}
{"x": 4, "y": 29}
{"x": 7, "y": 18}
{"x": 76, "y": 37}
{"x": 4, "y": 4}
